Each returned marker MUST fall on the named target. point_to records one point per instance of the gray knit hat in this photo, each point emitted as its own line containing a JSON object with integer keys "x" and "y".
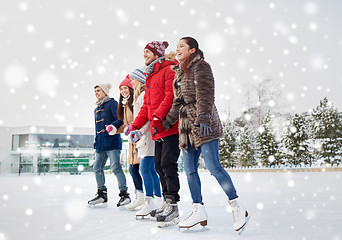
{"x": 105, "y": 87}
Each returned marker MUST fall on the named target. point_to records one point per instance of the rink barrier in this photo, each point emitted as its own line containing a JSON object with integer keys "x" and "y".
{"x": 325, "y": 168}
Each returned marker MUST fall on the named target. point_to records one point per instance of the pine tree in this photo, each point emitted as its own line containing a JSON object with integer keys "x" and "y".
{"x": 245, "y": 150}
{"x": 327, "y": 131}
{"x": 227, "y": 146}
{"x": 296, "y": 139}
{"x": 266, "y": 145}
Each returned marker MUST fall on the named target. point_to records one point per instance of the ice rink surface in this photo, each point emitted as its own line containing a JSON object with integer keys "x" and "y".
{"x": 296, "y": 206}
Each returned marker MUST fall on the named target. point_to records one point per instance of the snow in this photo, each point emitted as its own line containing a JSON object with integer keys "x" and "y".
{"x": 301, "y": 205}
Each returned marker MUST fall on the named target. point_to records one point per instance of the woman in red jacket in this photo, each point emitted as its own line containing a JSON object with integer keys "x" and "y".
{"x": 157, "y": 103}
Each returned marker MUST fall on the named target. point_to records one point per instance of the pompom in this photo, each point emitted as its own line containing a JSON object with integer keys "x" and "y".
{"x": 109, "y": 86}
{"x": 166, "y": 44}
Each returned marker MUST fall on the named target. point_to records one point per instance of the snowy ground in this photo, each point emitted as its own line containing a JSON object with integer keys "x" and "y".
{"x": 301, "y": 206}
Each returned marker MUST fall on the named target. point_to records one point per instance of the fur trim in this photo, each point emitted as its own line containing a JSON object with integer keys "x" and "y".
{"x": 170, "y": 56}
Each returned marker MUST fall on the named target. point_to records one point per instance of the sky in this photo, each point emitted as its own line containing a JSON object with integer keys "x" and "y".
{"x": 54, "y": 52}
{"x": 282, "y": 206}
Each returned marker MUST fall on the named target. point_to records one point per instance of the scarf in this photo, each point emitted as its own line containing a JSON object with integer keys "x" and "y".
{"x": 149, "y": 68}
{"x": 124, "y": 100}
{"x": 99, "y": 103}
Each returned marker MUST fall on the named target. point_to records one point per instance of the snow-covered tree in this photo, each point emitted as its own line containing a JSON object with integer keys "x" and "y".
{"x": 327, "y": 132}
{"x": 227, "y": 145}
{"x": 267, "y": 148}
{"x": 245, "y": 150}
{"x": 296, "y": 140}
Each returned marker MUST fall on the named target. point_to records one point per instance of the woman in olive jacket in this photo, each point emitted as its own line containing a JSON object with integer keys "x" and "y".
{"x": 199, "y": 130}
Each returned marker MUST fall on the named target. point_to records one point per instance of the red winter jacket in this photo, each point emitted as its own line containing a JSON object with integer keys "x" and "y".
{"x": 158, "y": 98}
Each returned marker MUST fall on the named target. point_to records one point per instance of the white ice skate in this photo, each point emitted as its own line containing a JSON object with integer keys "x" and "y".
{"x": 158, "y": 201}
{"x": 240, "y": 215}
{"x": 147, "y": 208}
{"x": 197, "y": 216}
{"x": 139, "y": 201}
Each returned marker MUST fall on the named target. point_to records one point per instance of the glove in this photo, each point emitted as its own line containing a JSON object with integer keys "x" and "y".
{"x": 205, "y": 130}
{"x": 111, "y": 129}
{"x": 127, "y": 129}
{"x": 157, "y": 126}
{"x": 134, "y": 136}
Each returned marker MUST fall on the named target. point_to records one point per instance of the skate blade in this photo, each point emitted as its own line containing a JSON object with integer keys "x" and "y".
{"x": 242, "y": 229}
{"x": 173, "y": 222}
{"x": 129, "y": 208}
{"x": 140, "y": 217}
{"x": 194, "y": 229}
{"x": 122, "y": 204}
{"x": 202, "y": 223}
{"x": 98, "y": 205}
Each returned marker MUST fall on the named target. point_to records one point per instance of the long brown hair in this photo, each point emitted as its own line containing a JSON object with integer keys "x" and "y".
{"x": 129, "y": 104}
{"x": 192, "y": 44}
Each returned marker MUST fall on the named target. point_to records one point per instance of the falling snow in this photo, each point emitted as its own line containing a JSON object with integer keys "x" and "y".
{"x": 293, "y": 43}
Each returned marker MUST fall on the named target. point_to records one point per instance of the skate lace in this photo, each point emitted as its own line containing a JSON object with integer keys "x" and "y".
{"x": 236, "y": 213}
{"x": 167, "y": 210}
{"x": 193, "y": 213}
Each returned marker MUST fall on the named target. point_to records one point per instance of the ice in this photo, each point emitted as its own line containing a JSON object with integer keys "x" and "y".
{"x": 277, "y": 210}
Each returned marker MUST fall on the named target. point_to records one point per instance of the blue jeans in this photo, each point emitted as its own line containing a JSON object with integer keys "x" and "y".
{"x": 137, "y": 180}
{"x": 150, "y": 176}
{"x": 211, "y": 158}
{"x": 115, "y": 166}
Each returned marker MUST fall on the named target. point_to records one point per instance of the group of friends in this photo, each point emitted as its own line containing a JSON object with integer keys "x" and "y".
{"x": 165, "y": 107}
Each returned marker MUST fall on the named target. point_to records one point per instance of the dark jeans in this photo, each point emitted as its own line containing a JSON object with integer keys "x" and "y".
{"x": 137, "y": 180}
{"x": 166, "y": 157}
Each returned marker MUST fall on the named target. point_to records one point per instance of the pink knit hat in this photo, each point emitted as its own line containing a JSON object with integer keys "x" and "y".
{"x": 157, "y": 47}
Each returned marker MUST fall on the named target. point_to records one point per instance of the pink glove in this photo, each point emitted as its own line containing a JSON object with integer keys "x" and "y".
{"x": 127, "y": 129}
{"x": 111, "y": 129}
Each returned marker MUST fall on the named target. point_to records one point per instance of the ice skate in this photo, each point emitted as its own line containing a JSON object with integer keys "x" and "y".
{"x": 160, "y": 206}
{"x": 100, "y": 199}
{"x": 197, "y": 216}
{"x": 158, "y": 201}
{"x": 139, "y": 201}
{"x": 169, "y": 216}
{"x": 147, "y": 208}
{"x": 240, "y": 215}
{"x": 124, "y": 199}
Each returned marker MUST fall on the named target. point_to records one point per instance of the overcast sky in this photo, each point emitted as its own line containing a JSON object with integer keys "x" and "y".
{"x": 53, "y": 52}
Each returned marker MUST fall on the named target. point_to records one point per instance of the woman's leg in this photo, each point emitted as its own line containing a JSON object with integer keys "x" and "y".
{"x": 211, "y": 158}
{"x": 146, "y": 174}
{"x": 190, "y": 159}
{"x": 137, "y": 180}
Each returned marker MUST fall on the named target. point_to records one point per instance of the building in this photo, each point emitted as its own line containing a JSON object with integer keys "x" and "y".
{"x": 48, "y": 149}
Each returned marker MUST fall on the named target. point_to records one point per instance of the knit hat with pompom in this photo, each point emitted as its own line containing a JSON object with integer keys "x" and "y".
{"x": 105, "y": 87}
{"x": 157, "y": 47}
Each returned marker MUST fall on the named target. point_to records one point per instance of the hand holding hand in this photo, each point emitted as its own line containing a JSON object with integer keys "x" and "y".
{"x": 156, "y": 126}
{"x": 127, "y": 129}
{"x": 134, "y": 136}
{"x": 111, "y": 129}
